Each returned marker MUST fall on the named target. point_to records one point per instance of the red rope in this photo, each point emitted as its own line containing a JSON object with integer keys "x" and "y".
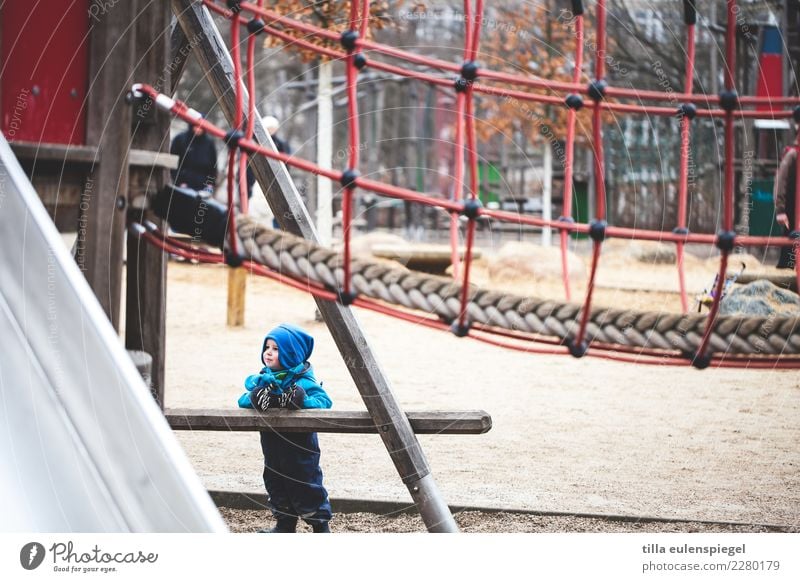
{"x": 354, "y": 139}
{"x": 181, "y": 251}
{"x": 484, "y": 333}
{"x": 683, "y": 183}
{"x": 237, "y": 74}
{"x": 587, "y": 304}
{"x": 467, "y": 117}
{"x": 570, "y": 153}
{"x": 472, "y": 148}
{"x": 364, "y": 24}
{"x": 244, "y": 200}
{"x": 476, "y": 30}
{"x": 462, "y": 316}
{"x": 472, "y": 154}
{"x": 599, "y": 171}
{"x": 730, "y": 44}
{"x": 465, "y": 121}
{"x": 727, "y": 201}
{"x": 182, "y": 111}
{"x": 714, "y": 310}
{"x": 195, "y": 251}
{"x": 632, "y": 350}
{"x": 467, "y": 29}
{"x": 461, "y": 104}
{"x": 234, "y": 245}
{"x": 458, "y": 182}
{"x": 353, "y": 14}
{"x": 276, "y": 18}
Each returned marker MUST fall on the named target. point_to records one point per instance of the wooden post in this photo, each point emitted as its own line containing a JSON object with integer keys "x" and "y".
{"x": 145, "y": 306}
{"x": 287, "y": 206}
{"x": 102, "y": 219}
{"x": 237, "y": 285}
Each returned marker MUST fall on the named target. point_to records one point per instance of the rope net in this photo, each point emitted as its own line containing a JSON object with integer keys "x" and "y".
{"x": 565, "y": 328}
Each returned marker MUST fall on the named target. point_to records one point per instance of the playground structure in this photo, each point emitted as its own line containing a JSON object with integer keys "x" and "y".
{"x": 698, "y": 338}
{"x": 76, "y": 458}
{"x": 146, "y": 265}
{"x": 84, "y": 445}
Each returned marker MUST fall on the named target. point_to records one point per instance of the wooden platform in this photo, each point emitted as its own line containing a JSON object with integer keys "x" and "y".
{"x": 51, "y": 152}
{"x": 323, "y": 420}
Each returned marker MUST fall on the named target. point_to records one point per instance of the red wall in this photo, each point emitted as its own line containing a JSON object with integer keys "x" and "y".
{"x": 45, "y": 65}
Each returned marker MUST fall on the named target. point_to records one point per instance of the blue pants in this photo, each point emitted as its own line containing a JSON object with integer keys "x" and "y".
{"x": 293, "y": 477}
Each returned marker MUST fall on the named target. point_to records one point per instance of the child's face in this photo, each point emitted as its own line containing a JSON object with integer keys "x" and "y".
{"x": 270, "y": 356}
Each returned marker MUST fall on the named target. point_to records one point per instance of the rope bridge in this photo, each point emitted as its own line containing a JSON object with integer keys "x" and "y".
{"x": 501, "y": 319}
{"x": 644, "y": 337}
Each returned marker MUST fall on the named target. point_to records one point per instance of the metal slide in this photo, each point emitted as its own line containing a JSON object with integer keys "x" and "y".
{"x": 83, "y": 446}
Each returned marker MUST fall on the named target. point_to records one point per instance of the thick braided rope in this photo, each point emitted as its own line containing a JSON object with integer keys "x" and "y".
{"x": 301, "y": 259}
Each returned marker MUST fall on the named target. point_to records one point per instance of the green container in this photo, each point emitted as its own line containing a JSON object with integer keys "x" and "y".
{"x": 580, "y": 206}
{"x": 490, "y": 182}
{"x": 762, "y": 209}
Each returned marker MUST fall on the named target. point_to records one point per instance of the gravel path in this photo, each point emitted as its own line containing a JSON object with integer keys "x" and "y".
{"x": 250, "y": 521}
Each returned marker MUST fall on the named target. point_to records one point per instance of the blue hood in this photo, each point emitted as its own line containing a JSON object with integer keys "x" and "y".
{"x": 294, "y": 345}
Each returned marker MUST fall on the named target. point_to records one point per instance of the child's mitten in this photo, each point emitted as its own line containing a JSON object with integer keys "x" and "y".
{"x": 296, "y": 398}
{"x": 260, "y": 399}
{"x": 263, "y": 398}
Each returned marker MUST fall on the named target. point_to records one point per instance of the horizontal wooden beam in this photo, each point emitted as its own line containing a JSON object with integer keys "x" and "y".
{"x": 323, "y": 420}
{"x": 55, "y": 152}
{"x": 149, "y": 159}
{"x": 78, "y": 154}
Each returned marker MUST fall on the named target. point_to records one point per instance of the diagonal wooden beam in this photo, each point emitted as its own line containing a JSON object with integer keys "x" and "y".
{"x": 290, "y": 211}
{"x": 179, "y": 51}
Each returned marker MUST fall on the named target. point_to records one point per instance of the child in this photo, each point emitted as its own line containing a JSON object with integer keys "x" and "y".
{"x": 292, "y": 474}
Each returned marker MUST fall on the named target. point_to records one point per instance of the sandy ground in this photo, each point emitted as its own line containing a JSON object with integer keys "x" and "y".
{"x": 583, "y": 436}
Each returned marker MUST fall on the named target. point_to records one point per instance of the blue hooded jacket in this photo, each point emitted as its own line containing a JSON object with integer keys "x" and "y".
{"x": 294, "y": 350}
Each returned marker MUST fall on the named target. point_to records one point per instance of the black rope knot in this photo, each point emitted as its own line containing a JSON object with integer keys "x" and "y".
{"x": 469, "y": 70}
{"x": 346, "y": 298}
{"x": 461, "y": 84}
{"x": 726, "y": 239}
{"x": 233, "y": 260}
{"x": 472, "y": 208}
{"x": 597, "y": 89}
{"x": 360, "y": 61}
{"x": 687, "y": 109}
{"x": 255, "y": 26}
{"x": 729, "y": 100}
{"x": 577, "y": 350}
{"x": 460, "y": 330}
{"x": 348, "y": 39}
{"x": 597, "y": 230}
{"x": 574, "y": 101}
{"x": 348, "y": 179}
